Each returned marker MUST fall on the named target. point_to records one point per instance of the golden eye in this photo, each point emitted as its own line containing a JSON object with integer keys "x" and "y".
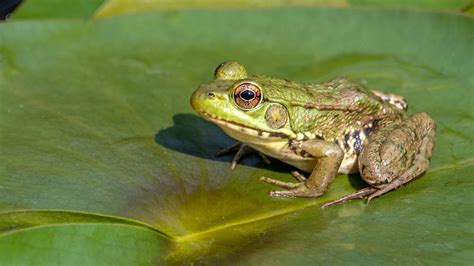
{"x": 247, "y": 95}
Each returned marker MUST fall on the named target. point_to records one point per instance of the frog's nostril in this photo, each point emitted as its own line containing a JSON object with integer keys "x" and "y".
{"x": 211, "y": 95}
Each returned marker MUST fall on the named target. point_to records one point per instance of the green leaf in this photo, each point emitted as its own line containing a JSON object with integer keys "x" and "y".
{"x": 83, "y": 244}
{"x": 11, "y": 221}
{"x": 34, "y": 9}
{"x": 454, "y": 5}
{"x": 121, "y": 7}
{"x": 95, "y": 118}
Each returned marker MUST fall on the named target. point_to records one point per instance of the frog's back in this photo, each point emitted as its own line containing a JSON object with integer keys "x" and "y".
{"x": 340, "y": 92}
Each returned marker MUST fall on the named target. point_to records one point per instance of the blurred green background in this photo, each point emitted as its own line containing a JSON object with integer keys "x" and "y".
{"x": 104, "y": 161}
{"x": 34, "y": 9}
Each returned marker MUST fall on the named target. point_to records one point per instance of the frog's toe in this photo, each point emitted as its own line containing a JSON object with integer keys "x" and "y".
{"x": 300, "y": 191}
{"x": 242, "y": 150}
{"x": 232, "y": 148}
{"x": 298, "y": 176}
{"x": 376, "y": 194}
{"x": 356, "y": 195}
{"x": 279, "y": 183}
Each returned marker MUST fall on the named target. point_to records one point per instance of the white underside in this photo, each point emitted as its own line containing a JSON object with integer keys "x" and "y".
{"x": 278, "y": 148}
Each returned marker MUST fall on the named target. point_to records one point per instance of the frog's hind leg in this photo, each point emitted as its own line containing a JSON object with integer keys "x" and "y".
{"x": 397, "y": 154}
{"x": 394, "y": 155}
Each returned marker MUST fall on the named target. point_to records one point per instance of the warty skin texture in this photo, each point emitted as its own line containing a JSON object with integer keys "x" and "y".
{"x": 322, "y": 129}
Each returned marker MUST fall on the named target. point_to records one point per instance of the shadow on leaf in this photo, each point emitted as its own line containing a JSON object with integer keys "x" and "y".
{"x": 195, "y": 136}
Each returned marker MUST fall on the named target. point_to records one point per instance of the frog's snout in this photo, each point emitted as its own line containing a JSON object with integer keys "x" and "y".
{"x": 201, "y": 98}
{"x": 195, "y": 99}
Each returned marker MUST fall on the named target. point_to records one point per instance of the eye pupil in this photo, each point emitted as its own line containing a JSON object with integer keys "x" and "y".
{"x": 247, "y": 95}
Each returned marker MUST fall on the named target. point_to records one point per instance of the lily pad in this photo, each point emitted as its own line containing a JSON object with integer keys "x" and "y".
{"x": 121, "y": 7}
{"x": 96, "y": 124}
{"x": 83, "y": 244}
{"x": 35, "y": 9}
{"x": 47, "y": 9}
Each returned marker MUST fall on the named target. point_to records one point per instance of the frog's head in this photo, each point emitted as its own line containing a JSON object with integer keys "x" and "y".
{"x": 236, "y": 102}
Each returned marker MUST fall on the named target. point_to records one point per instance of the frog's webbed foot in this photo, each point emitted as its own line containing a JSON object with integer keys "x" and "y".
{"x": 241, "y": 150}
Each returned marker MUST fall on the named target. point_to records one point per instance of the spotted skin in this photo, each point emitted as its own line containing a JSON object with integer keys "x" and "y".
{"x": 357, "y": 141}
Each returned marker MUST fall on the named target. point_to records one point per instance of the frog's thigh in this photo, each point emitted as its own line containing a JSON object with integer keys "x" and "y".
{"x": 397, "y": 153}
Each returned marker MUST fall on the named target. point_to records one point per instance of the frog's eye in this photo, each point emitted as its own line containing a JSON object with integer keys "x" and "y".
{"x": 247, "y": 95}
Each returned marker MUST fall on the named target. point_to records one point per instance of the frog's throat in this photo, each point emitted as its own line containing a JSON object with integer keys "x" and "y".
{"x": 244, "y": 129}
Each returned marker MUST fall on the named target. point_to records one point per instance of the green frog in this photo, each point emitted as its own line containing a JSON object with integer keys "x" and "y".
{"x": 322, "y": 129}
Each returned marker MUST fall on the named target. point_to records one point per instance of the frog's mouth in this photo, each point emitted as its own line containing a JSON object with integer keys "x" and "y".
{"x": 243, "y": 129}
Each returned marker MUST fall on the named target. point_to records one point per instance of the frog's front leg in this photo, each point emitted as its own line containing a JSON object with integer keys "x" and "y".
{"x": 328, "y": 158}
{"x": 241, "y": 150}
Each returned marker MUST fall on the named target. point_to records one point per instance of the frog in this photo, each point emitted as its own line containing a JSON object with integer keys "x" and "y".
{"x": 323, "y": 129}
